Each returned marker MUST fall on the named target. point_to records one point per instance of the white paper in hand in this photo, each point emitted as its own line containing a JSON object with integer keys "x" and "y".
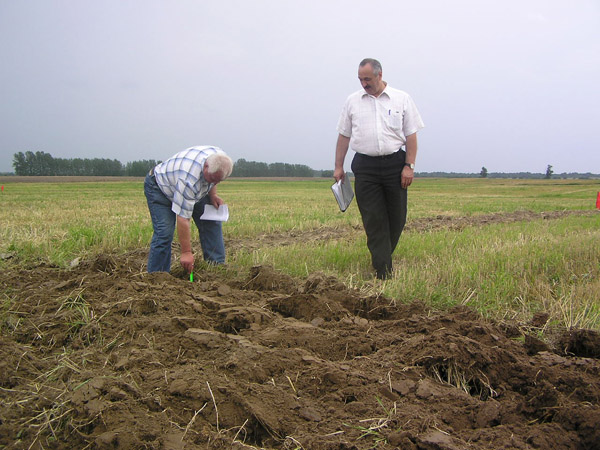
{"x": 212, "y": 213}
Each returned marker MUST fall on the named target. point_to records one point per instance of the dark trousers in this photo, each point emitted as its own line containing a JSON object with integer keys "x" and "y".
{"x": 382, "y": 205}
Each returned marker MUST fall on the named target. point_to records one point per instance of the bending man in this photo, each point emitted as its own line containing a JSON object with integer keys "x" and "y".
{"x": 177, "y": 190}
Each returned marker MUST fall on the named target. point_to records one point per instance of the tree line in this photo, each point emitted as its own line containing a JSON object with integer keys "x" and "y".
{"x": 243, "y": 168}
{"x": 44, "y": 164}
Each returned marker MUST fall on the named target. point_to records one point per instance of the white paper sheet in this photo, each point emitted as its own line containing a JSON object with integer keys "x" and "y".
{"x": 212, "y": 213}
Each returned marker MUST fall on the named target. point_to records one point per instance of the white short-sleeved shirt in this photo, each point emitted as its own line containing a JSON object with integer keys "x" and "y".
{"x": 378, "y": 126}
{"x": 181, "y": 178}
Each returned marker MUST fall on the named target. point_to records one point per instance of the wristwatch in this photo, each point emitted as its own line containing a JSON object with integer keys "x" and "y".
{"x": 411, "y": 165}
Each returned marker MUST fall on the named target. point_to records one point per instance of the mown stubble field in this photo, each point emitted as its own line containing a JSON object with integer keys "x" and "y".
{"x": 486, "y": 337}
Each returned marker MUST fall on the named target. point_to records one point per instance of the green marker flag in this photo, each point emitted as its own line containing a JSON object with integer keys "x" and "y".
{"x": 192, "y": 277}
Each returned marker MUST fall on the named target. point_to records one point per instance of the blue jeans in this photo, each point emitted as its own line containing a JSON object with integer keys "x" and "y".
{"x": 164, "y": 222}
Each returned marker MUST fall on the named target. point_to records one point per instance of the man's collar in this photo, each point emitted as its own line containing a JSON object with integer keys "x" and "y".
{"x": 382, "y": 92}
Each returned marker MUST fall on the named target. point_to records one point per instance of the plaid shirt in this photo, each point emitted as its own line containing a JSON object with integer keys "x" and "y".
{"x": 181, "y": 178}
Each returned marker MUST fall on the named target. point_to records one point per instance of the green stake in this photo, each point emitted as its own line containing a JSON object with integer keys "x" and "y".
{"x": 192, "y": 277}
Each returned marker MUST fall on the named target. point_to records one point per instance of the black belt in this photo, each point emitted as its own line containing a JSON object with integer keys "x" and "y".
{"x": 391, "y": 155}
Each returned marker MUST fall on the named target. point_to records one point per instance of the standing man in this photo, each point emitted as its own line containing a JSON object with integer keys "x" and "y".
{"x": 177, "y": 190}
{"x": 380, "y": 124}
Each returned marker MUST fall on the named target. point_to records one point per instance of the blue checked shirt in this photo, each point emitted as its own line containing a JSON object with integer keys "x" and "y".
{"x": 181, "y": 178}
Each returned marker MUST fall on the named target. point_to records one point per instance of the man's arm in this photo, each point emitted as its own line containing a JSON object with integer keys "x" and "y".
{"x": 411, "y": 157}
{"x": 215, "y": 200}
{"x": 341, "y": 149}
{"x": 185, "y": 241}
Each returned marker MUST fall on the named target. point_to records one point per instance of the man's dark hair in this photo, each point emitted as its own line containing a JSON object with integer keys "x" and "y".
{"x": 376, "y": 65}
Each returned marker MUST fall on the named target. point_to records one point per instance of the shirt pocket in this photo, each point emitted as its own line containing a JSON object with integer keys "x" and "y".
{"x": 394, "y": 119}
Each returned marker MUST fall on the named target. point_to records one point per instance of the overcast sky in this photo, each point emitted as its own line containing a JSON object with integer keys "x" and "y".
{"x": 510, "y": 85}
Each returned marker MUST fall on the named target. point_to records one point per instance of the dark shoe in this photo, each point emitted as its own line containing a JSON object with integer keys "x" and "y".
{"x": 383, "y": 274}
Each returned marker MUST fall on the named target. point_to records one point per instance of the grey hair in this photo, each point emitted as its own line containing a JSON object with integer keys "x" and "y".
{"x": 221, "y": 163}
{"x": 376, "y": 65}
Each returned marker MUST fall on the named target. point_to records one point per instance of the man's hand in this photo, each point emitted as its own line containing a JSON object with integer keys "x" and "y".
{"x": 407, "y": 177}
{"x": 187, "y": 261}
{"x": 341, "y": 148}
{"x": 216, "y": 201}
{"x": 408, "y": 174}
{"x": 339, "y": 174}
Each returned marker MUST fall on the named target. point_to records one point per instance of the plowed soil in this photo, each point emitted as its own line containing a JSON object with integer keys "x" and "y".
{"x": 106, "y": 356}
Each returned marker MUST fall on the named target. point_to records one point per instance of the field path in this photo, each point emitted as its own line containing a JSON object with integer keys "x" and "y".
{"x": 420, "y": 225}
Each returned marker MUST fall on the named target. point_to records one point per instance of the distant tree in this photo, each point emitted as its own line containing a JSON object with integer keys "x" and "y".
{"x": 243, "y": 168}
{"x": 40, "y": 163}
{"x": 279, "y": 170}
{"x": 139, "y": 168}
{"x": 549, "y": 172}
{"x": 29, "y": 163}
{"x": 106, "y": 167}
{"x": 483, "y": 173}
{"x": 299, "y": 170}
{"x": 20, "y": 164}
{"x": 240, "y": 168}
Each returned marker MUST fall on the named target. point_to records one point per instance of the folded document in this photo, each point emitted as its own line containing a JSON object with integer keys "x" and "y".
{"x": 212, "y": 213}
{"x": 342, "y": 190}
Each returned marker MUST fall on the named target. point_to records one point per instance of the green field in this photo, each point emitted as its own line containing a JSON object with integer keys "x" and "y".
{"x": 467, "y": 241}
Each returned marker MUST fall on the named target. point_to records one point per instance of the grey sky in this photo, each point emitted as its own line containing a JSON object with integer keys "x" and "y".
{"x": 511, "y": 85}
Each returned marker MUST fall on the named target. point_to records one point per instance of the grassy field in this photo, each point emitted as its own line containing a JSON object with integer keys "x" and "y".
{"x": 501, "y": 268}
